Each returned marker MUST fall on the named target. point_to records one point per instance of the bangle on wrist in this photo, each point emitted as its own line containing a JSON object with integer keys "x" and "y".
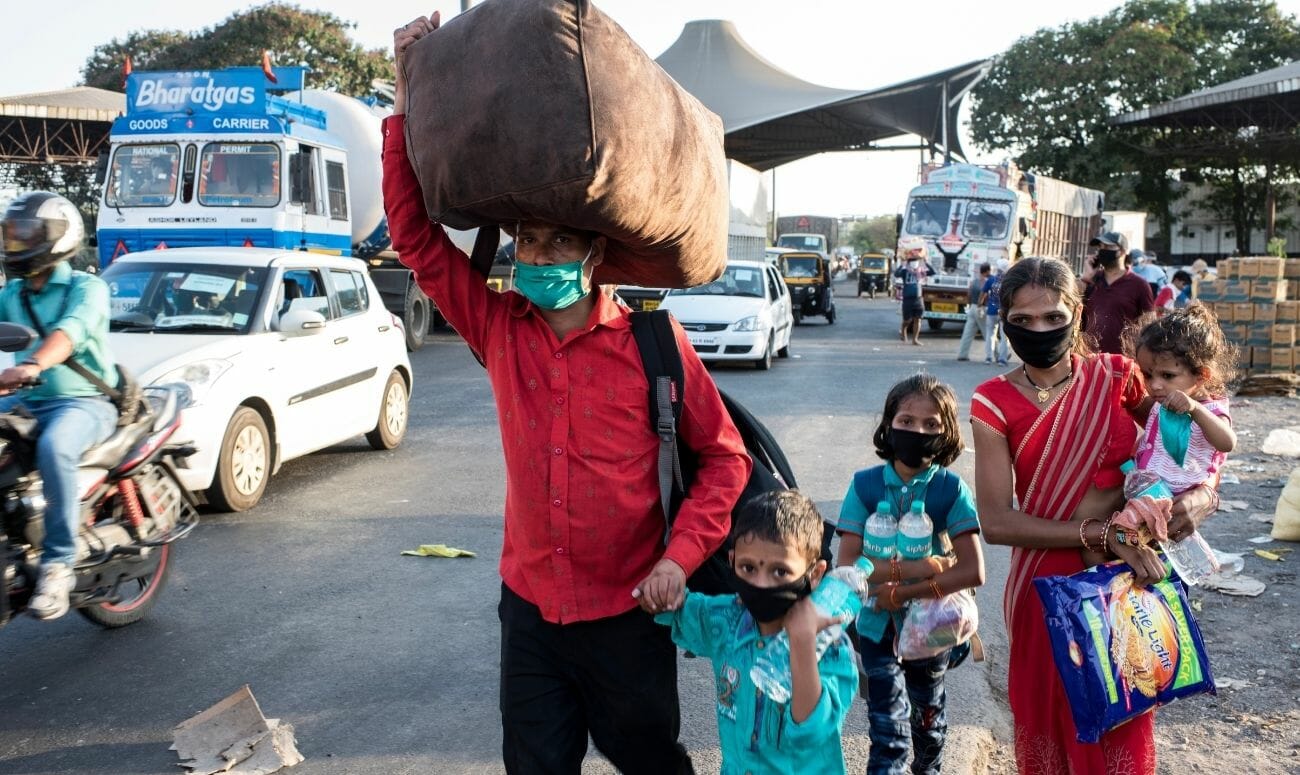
{"x": 934, "y": 587}
{"x": 1105, "y": 532}
{"x": 892, "y": 589}
{"x": 32, "y": 362}
{"x": 895, "y": 570}
{"x": 1083, "y": 529}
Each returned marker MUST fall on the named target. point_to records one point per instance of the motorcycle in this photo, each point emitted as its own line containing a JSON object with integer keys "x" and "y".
{"x": 133, "y": 508}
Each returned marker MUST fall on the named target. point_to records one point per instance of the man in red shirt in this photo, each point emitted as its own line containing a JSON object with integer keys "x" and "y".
{"x": 584, "y": 562}
{"x": 1113, "y": 295}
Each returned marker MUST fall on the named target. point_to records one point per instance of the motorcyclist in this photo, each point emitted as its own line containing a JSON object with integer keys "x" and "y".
{"x": 41, "y": 231}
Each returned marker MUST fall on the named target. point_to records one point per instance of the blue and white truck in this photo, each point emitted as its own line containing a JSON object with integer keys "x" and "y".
{"x": 243, "y": 157}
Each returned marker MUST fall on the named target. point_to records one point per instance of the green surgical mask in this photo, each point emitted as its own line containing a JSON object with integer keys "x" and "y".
{"x": 553, "y": 287}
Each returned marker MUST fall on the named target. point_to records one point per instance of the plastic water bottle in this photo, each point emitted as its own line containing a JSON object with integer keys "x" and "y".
{"x": 1140, "y": 483}
{"x": 841, "y": 593}
{"x": 915, "y": 533}
{"x": 1191, "y": 556}
{"x": 880, "y": 534}
{"x": 880, "y": 538}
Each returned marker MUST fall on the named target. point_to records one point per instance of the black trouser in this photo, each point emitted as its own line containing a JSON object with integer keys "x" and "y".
{"x": 615, "y": 679}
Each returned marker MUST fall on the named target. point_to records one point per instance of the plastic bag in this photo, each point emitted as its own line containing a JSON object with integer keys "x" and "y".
{"x": 1121, "y": 650}
{"x": 931, "y": 627}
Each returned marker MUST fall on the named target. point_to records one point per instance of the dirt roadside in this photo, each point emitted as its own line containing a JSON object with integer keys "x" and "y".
{"x": 1253, "y": 724}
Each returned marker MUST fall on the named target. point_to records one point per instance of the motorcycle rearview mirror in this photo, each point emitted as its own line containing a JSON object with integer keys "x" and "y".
{"x": 14, "y": 337}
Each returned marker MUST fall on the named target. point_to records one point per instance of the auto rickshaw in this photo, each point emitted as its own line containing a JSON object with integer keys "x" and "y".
{"x": 873, "y": 274}
{"x": 808, "y": 276}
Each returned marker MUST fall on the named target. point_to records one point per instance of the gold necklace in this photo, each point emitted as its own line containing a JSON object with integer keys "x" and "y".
{"x": 1045, "y": 393}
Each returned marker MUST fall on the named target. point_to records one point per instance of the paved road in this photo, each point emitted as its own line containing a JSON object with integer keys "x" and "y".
{"x": 387, "y": 664}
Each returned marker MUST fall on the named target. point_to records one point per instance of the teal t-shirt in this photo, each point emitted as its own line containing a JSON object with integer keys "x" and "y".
{"x": 961, "y": 518}
{"x": 757, "y": 734}
{"x": 75, "y": 303}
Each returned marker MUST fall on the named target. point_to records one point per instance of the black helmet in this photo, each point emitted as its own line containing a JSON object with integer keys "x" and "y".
{"x": 39, "y": 230}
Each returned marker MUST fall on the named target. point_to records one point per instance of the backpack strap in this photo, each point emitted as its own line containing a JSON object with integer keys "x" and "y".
{"x": 662, "y": 362}
{"x": 940, "y": 499}
{"x": 869, "y": 486}
{"x": 71, "y": 362}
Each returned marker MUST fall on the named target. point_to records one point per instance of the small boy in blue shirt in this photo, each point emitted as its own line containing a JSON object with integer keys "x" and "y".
{"x": 776, "y": 564}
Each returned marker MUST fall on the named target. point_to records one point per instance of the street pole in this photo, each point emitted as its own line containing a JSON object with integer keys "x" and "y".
{"x": 774, "y": 234}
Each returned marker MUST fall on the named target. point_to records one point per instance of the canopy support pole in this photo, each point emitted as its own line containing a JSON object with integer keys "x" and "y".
{"x": 947, "y": 150}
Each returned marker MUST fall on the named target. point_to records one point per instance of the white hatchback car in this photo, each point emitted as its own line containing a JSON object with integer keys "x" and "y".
{"x": 284, "y": 352}
{"x": 744, "y": 315}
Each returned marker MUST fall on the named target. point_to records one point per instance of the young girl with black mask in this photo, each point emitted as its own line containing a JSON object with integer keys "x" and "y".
{"x": 918, "y": 437}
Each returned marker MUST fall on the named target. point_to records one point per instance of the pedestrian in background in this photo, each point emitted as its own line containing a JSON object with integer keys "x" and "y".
{"x": 1113, "y": 295}
{"x": 585, "y": 562}
{"x": 974, "y": 312}
{"x": 913, "y": 274}
{"x": 1144, "y": 266}
{"x": 995, "y": 341}
{"x": 1176, "y": 294}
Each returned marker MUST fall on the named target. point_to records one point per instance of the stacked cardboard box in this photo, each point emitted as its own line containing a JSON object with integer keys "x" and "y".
{"x": 1257, "y": 301}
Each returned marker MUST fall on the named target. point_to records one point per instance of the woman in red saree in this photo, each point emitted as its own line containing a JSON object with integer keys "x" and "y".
{"x": 1054, "y": 433}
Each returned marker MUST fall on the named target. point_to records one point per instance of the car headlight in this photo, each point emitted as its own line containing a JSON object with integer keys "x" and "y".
{"x": 200, "y": 376}
{"x": 747, "y": 324}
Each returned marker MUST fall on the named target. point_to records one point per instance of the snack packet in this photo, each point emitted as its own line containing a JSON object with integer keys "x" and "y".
{"x": 931, "y": 627}
{"x": 1121, "y": 650}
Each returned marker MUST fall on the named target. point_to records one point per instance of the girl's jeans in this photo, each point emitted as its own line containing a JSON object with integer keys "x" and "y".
{"x": 905, "y": 703}
{"x": 66, "y": 428}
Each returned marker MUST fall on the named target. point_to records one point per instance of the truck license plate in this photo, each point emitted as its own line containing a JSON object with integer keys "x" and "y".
{"x": 943, "y": 307}
{"x": 649, "y": 304}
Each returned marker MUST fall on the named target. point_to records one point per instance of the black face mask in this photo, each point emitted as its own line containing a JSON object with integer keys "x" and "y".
{"x": 1040, "y": 349}
{"x": 913, "y": 449}
{"x": 1108, "y": 258}
{"x": 768, "y": 604}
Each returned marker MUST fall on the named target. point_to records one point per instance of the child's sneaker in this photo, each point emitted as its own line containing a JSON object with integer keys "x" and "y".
{"x": 50, "y": 600}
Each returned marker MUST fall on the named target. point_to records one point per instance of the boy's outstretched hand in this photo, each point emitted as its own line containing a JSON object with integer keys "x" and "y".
{"x": 803, "y": 621}
{"x": 664, "y": 589}
{"x": 403, "y": 37}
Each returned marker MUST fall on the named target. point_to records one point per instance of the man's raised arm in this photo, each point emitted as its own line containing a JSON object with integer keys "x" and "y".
{"x": 441, "y": 269}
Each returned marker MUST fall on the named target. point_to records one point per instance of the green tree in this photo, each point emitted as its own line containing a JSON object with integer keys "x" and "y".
{"x": 1049, "y": 98}
{"x": 872, "y": 235}
{"x": 74, "y": 181}
{"x": 294, "y": 36}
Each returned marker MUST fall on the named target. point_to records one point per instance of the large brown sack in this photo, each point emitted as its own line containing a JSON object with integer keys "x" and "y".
{"x": 546, "y": 110}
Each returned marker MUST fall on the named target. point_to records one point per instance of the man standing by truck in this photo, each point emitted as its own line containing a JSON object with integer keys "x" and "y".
{"x": 584, "y": 562}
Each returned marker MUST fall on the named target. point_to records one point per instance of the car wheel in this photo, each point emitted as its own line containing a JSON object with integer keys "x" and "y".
{"x": 797, "y": 315}
{"x": 765, "y": 363}
{"x": 830, "y": 316}
{"x": 784, "y": 352}
{"x": 416, "y": 319}
{"x": 245, "y": 463}
{"x": 391, "y": 427}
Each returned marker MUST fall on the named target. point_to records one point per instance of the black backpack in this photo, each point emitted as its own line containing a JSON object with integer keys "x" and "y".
{"x": 677, "y": 464}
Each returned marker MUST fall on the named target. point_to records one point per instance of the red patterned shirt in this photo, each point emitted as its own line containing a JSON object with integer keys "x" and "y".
{"x": 583, "y": 523}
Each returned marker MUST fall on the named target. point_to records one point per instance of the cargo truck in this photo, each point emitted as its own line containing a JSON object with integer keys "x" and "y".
{"x": 818, "y": 233}
{"x": 972, "y": 214}
{"x": 247, "y": 157}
